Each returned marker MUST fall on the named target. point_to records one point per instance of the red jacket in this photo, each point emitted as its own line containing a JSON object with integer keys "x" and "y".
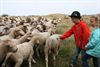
{"x": 81, "y": 34}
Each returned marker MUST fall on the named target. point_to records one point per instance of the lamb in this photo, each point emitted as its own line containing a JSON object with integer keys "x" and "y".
{"x": 52, "y": 45}
{"x": 25, "y": 51}
{"x": 6, "y": 46}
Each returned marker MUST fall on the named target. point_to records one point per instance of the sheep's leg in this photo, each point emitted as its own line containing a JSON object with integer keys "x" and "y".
{"x": 54, "y": 58}
{"x": 8, "y": 55}
{"x": 37, "y": 52}
{"x": 54, "y": 55}
{"x": 57, "y": 51}
{"x": 33, "y": 60}
{"x": 29, "y": 60}
{"x": 19, "y": 62}
{"x": 57, "y": 48}
{"x": 46, "y": 56}
{"x": 32, "y": 57}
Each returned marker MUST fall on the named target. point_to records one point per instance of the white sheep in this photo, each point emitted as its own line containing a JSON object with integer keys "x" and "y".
{"x": 52, "y": 45}
{"x": 42, "y": 39}
{"x": 1, "y": 29}
{"x": 22, "y": 39}
{"x": 40, "y": 27}
{"x": 49, "y": 24}
{"x": 6, "y": 46}
{"x": 25, "y": 51}
{"x": 35, "y": 31}
{"x": 13, "y": 33}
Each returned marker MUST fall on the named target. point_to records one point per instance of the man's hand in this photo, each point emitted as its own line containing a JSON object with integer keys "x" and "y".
{"x": 59, "y": 38}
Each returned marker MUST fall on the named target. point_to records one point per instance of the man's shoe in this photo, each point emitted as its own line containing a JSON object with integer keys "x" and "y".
{"x": 71, "y": 65}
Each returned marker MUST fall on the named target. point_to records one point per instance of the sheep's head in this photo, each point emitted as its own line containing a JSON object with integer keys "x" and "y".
{"x": 10, "y": 45}
{"x": 19, "y": 32}
{"x": 40, "y": 28}
{"x": 24, "y": 28}
{"x": 29, "y": 36}
{"x": 51, "y": 31}
{"x": 6, "y": 29}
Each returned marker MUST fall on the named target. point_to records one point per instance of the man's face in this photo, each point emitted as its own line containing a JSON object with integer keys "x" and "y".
{"x": 74, "y": 20}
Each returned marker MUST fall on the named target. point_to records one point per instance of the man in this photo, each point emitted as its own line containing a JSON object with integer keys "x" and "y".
{"x": 93, "y": 47}
{"x": 81, "y": 34}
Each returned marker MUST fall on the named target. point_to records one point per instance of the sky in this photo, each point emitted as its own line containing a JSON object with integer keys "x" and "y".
{"x": 45, "y": 7}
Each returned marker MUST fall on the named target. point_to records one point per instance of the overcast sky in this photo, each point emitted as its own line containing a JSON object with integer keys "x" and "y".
{"x": 44, "y": 7}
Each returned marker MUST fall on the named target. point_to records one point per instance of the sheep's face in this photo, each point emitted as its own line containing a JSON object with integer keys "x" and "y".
{"x": 24, "y": 28}
{"x": 40, "y": 27}
{"x": 29, "y": 36}
{"x": 19, "y": 32}
{"x": 10, "y": 45}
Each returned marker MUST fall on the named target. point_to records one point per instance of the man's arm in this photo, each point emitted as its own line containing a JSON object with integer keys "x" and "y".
{"x": 66, "y": 34}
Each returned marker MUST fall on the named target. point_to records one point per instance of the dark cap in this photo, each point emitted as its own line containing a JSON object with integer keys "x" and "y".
{"x": 76, "y": 14}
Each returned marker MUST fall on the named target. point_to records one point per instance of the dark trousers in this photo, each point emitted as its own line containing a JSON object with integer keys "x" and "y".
{"x": 86, "y": 57}
{"x": 76, "y": 54}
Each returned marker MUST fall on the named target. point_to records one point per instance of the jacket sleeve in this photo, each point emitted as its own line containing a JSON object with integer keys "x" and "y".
{"x": 66, "y": 34}
{"x": 94, "y": 39}
{"x": 85, "y": 36}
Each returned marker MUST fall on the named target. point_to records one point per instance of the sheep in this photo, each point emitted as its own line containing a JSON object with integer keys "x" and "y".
{"x": 49, "y": 24}
{"x": 52, "y": 45}
{"x": 28, "y": 27}
{"x": 25, "y": 51}
{"x": 6, "y": 30}
{"x": 35, "y": 31}
{"x": 42, "y": 38}
{"x": 40, "y": 28}
{"x": 22, "y": 39}
{"x": 1, "y": 30}
{"x": 51, "y": 30}
{"x": 6, "y": 46}
{"x": 23, "y": 28}
{"x": 13, "y": 33}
